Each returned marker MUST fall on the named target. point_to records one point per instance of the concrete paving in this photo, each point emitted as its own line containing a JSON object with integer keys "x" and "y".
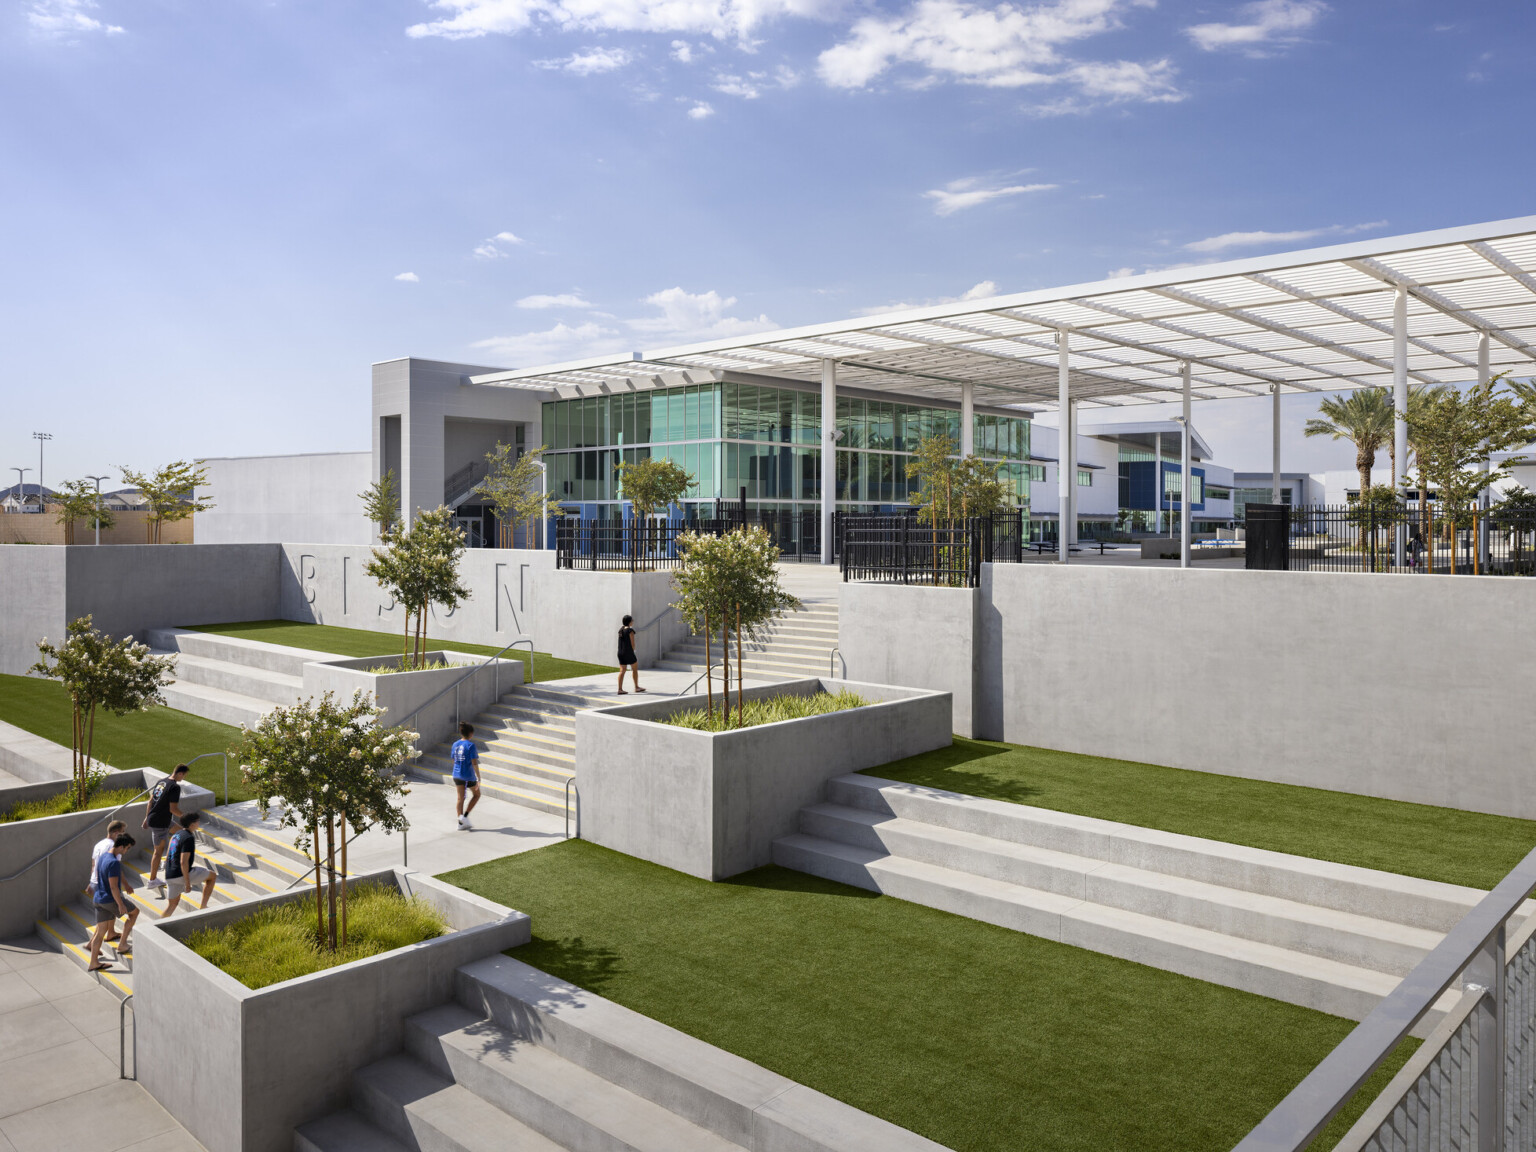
{"x": 59, "y": 1083}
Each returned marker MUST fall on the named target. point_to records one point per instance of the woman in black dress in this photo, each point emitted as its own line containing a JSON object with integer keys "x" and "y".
{"x": 627, "y": 657}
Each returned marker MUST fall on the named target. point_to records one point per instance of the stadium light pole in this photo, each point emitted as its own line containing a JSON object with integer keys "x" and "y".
{"x": 98, "y": 480}
{"x": 41, "y": 438}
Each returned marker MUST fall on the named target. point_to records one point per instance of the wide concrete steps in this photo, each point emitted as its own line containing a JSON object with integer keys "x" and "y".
{"x": 234, "y": 650}
{"x": 228, "y": 679}
{"x": 515, "y": 788}
{"x": 793, "y": 646}
{"x": 219, "y": 704}
{"x": 1322, "y": 935}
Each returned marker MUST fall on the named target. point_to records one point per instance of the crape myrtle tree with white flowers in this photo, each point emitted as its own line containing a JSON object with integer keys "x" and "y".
{"x": 97, "y": 672}
{"x": 328, "y": 767}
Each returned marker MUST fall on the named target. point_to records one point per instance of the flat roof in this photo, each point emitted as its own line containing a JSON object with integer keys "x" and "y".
{"x": 1313, "y": 320}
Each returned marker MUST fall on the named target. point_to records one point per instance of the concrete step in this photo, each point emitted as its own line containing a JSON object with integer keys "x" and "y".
{"x": 571, "y": 1105}
{"x": 1250, "y": 966}
{"x": 1363, "y": 941}
{"x": 529, "y": 795}
{"x": 429, "y": 1113}
{"x": 64, "y": 935}
{"x": 344, "y": 1132}
{"x": 237, "y": 830}
{"x": 1386, "y": 896}
{"x": 777, "y": 646}
{"x": 499, "y": 764}
{"x": 232, "y": 708}
{"x": 523, "y": 718}
{"x": 241, "y": 679}
{"x": 560, "y": 744}
{"x": 235, "y": 650}
{"x": 769, "y": 665}
{"x": 557, "y": 699}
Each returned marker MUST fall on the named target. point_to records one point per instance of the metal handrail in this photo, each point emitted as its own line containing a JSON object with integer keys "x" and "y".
{"x": 700, "y": 676}
{"x": 305, "y": 877}
{"x": 72, "y": 839}
{"x": 832, "y": 658}
{"x": 122, "y": 1034}
{"x": 225, "y": 755}
{"x": 478, "y": 668}
{"x": 568, "y": 785}
{"x": 1478, "y": 940}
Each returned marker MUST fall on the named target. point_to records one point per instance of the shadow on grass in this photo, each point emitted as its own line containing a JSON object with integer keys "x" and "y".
{"x": 960, "y": 768}
{"x": 776, "y": 879}
{"x": 571, "y": 959}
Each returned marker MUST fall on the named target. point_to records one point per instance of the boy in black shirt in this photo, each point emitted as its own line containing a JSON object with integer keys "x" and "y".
{"x": 179, "y": 868}
{"x": 161, "y": 817}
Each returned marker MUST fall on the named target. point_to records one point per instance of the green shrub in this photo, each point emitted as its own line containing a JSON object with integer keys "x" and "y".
{"x": 424, "y": 666}
{"x": 278, "y": 942}
{"x": 770, "y": 710}
{"x": 64, "y": 802}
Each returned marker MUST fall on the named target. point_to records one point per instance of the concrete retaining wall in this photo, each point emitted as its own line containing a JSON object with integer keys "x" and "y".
{"x": 712, "y": 803}
{"x": 241, "y": 1067}
{"x": 920, "y": 637}
{"x": 1408, "y": 687}
{"x": 35, "y": 893}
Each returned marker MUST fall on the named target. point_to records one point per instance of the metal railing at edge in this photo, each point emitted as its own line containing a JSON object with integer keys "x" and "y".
{"x": 205, "y": 756}
{"x": 1472, "y": 1084}
{"x": 47, "y": 857}
{"x": 122, "y": 1033}
{"x": 495, "y": 660}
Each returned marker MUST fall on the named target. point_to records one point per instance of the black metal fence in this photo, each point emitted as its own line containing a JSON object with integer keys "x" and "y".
{"x": 1409, "y": 538}
{"x": 904, "y": 550}
{"x": 618, "y": 546}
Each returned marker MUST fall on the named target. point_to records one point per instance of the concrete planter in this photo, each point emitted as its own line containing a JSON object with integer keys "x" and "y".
{"x": 400, "y": 694}
{"x": 712, "y": 803}
{"x": 240, "y": 1068}
{"x": 34, "y": 894}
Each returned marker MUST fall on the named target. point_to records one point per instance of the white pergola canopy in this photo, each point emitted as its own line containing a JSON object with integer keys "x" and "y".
{"x": 1316, "y": 320}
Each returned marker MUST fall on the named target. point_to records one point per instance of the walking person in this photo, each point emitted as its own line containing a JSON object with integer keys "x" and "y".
{"x": 466, "y": 772}
{"x": 180, "y": 869}
{"x": 99, "y": 849}
{"x": 162, "y": 818}
{"x": 110, "y": 900}
{"x": 627, "y": 657}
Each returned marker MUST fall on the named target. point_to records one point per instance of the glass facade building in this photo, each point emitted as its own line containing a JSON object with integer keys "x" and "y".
{"x": 765, "y": 440}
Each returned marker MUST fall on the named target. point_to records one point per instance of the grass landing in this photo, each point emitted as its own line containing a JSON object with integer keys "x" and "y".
{"x": 1410, "y": 839}
{"x": 984, "y": 1039}
{"x": 160, "y": 738}
{"x": 360, "y": 642}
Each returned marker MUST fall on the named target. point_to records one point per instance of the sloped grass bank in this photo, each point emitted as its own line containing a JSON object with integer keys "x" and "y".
{"x": 983, "y": 1039}
{"x": 1394, "y": 836}
{"x": 160, "y": 738}
{"x": 360, "y": 642}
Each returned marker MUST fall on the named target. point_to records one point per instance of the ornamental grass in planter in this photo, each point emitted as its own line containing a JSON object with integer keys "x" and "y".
{"x": 278, "y": 942}
{"x": 66, "y": 802}
{"x": 768, "y": 710}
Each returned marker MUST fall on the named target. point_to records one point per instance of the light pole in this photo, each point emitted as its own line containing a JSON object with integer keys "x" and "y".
{"x": 21, "y": 486}
{"x": 41, "y": 438}
{"x": 98, "y": 480}
{"x": 543, "y": 497}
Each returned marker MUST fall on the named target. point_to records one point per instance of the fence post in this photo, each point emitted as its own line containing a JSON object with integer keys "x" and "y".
{"x": 1486, "y": 974}
{"x": 904, "y": 559}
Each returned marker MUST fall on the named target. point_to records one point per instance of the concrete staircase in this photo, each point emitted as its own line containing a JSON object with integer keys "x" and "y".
{"x": 228, "y": 679}
{"x": 247, "y": 862}
{"x": 523, "y": 1061}
{"x": 794, "y": 646}
{"x": 1325, "y": 936}
{"x": 527, "y": 744}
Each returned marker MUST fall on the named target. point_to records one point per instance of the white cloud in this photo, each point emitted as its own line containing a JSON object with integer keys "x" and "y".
{"x": 984, "y": 290}
{"x": 564, "y": 300}
{"x": 409, "y": 277}
{"x": 971, "y": 191}
{"x": 1269, "y": 24}
{"x": 722, "y": 19}
{"x": 689, "y": 316}
{"x": 1228, "y": 240}
{"x": 492, "y": 249}
{"x": 750, "y": 86}
{"x": 701, "y": 111}
{"x": 998, "y": 47}
{"x": 591, "y": 62}
{"x": 63, "y": 19}
{"x": 562, "y": 342}
{"x": 682, "y": 51}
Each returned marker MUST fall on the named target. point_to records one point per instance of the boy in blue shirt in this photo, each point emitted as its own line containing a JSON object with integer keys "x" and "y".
{"x": 109, "y": 896}
{"x": 466, "y": 774}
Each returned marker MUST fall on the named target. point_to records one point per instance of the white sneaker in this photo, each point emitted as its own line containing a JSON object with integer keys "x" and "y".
{"x": 464, "y": 823}
{"x": 156, "y": 884}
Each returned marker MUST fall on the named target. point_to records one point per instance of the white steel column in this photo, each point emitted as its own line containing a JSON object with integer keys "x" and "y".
{"x": 1064, "y": 466}
{"x": 1157, "y": 483}
{"x": 1274, "y": 467}
{"x": 967, "y": 420}
{"x": 1185, "y": 476}
{"x": 1400, "y": 408}
{"x": 828, "y": 455}
{"x": 1072, "y": 486}
{"x": 1484, "y": 497}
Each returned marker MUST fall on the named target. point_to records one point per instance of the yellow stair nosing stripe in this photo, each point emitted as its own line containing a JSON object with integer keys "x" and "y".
{"x": 266, "y": 860}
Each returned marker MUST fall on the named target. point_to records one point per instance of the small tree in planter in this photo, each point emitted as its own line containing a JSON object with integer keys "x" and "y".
{"x": 78, "y": 500}
{"x": 97, "y": 672}
{"x": 329, "y": 768}
{"x": 381, "y": 503}
{"x": 734, "y": 579}
{"x": 652, "y": 485}
{"x": 419, "y": 567}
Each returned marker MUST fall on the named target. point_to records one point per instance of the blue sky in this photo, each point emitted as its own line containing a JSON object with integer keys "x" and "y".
{"x": 218, "y": 214}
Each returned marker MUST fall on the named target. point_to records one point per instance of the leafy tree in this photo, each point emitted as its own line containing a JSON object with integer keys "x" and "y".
{"x": 1364, "y": 417}
{"x": 419, "y": 567}
{"x": 78, "y": 500}
{"x": 328, "y": 768}
{"x": 514, "y": 488}
{"x": 170, "y": 492}
{"x": 1516, "y": 515}
{"x": 978, "y": 491}
{"x": 733, "y": 579}
{"x": 933, "y": 467}
{"x": 654, "y": 484}
{"x": 119, "y": 676}
{"x": 381, "y": 503}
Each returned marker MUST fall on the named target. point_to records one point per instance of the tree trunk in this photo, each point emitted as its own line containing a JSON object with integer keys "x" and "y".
{"x": 319, "y": 904}
{"x": 725, "y": 671}
{"x": 405, "y": 646}
{"x": 330, "y": 869}
{"x": 343, "y": 879}
{"x": 77, "y": 741}
{"x": 738, "y": 666}
{"x": 709, "y": 683}
{"x": 90, "y": 746}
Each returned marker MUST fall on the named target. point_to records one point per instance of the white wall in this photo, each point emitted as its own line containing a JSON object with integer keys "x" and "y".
{"x": 308, "y": 499}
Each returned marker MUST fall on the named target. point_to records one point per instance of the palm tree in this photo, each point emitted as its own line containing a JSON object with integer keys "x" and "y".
{"x": 1364, "y": 418}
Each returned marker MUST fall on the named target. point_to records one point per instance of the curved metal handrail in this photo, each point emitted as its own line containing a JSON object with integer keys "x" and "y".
{"x": 568, "y": 785}
{"x": 478, "y": 668}
{"x": 204, "y": 756}
{"x": 700, "y": 676}
{"x": 122, "y": 1034}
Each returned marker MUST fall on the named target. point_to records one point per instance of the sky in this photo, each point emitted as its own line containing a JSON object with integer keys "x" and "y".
{"x": 215, "y": 216}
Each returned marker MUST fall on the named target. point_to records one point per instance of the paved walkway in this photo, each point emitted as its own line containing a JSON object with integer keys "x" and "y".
{"x": 59, "y": 1085}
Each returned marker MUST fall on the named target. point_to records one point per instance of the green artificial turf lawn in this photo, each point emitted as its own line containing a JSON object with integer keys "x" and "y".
{"x": 160, "y": 738}
{"x": 979, "y": 1037}
{"x": 359, "y": 642}
{"x": 1411, "y": 839}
